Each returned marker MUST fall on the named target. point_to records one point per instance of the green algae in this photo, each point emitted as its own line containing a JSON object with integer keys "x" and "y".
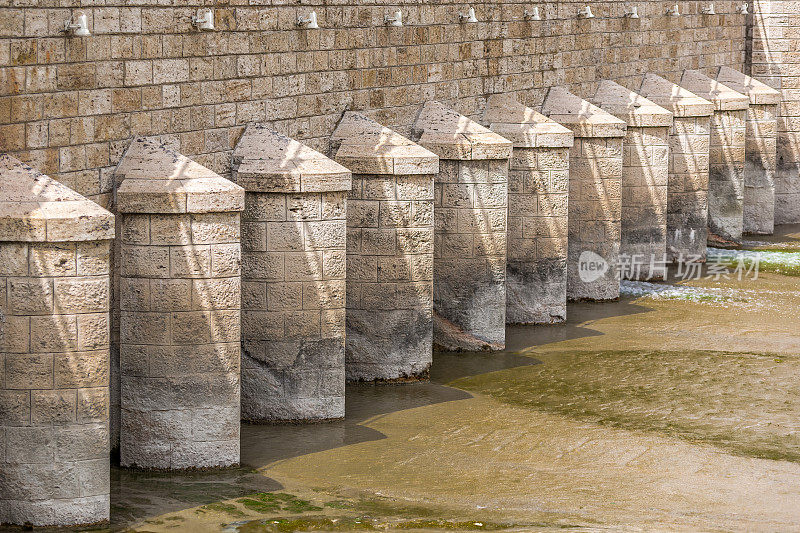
{"x": 744, "y": 403}
{"x": 267, "y": 502}
{"x": 221, "y": 507}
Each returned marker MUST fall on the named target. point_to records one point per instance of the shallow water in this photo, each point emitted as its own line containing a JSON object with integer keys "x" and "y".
{"x": 673, "y": 408}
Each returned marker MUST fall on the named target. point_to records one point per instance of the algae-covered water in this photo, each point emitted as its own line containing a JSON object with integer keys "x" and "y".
{"x": 675, "y": 408}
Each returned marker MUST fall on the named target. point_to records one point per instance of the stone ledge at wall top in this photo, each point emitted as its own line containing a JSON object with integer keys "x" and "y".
{"x": 366, "y": 147}
{"x": 758, "y": 92}
{"x": 631, "y": 107}
{"x": 153, "y": 178}
{"x": 681, "y": 101}
{"x": 267, "y": 161}
{"x": 724, "y": 98}
{"x": 454, "y": 136}
{"x": 37, "y": 208}
{"x": 582, "y": 117}
{"x": 523, "y": 126}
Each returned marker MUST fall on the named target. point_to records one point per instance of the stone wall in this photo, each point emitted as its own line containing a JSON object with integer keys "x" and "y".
{"x": 774, "y": 58}
{"x": 54, "y": 358}
{"x": 470, "y": 212}
{"x": 389, "y": 333}
{"x": 293, "y": 278}
{"x": 70, "y": 106}
{"x": 179, "y": 299}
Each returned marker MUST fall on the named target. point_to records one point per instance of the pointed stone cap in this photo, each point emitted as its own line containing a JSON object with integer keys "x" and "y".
{"x": 758, "y": 92}
{"x": 366, "y": 147}
{"x": 153, "y": 178}
{"x": 583, "y": 118}
{"x": 37, "y": 208}
{"x": 724, "y": 98}
{"x": 267, "y": 161}
{"x": 523, "y": 126}
{"x": 631, "y": 107}
{"x": 682, "y": 102}
{"x": 453, "y": 136}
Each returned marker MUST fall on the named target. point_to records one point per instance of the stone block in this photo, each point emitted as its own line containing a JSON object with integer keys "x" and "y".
{"x": 180, "y": 301}
{"x": 644, "y": 179}
{"x": 296, "y": 206}
{"x": 595, "y": 200}
{"x": 54, "y": 467}
{"x": 689, "y": 145}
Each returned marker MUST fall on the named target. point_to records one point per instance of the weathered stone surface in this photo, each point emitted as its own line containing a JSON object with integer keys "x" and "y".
{"x": 54, "y": 354}
{"x": 293, "y": 278}
{"x": 760, "y": 149}
{"x": 538, "y": 185}
{"x": 644, "y": 180}
{"x": 153, "y": 178}
{"x": 179, "y": 302}
{"x": 389, "y": 251}
{"x": 36, "y": 208}
{"x": 595, "y": 199}
{"x": 687, "y": 189}
{"x": 726, "y": 154}
{"x": 470, "y": 210}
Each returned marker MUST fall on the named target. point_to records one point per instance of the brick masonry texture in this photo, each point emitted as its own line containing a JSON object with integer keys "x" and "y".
{"x": 644, "y": 180}
{"x": 180, "y": 300}
{"x": 54, "y": 354}
{"x": 774, "y": 58}
{"x": 687, "y": 188}
{"x": 538, "y": 184}
{"x": 70, "y": 106}
{"x": 760, "y": 149}
{"x": 293, "y": 279}
{"x": 726, "y": 154}
{"x": 595, "y": 194}
{"x": 470, "y": 214}
{"x": 389, "y": 251}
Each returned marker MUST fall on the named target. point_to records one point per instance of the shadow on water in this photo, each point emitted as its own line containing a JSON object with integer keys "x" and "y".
{"x": 137, "y": 495}
{"x": 266, "y": 444}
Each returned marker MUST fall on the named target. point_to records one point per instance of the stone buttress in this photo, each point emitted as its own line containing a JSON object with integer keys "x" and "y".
{"x": 538, "y": 186}
{"x": 389, "y": 251}
{"x": 726, "y": 155}
{"x": 761, "y": 189}
{"x": 595, "y": 201}
{"x": 293, "y": 278}
{"x": 470, "y": 212}
{"x": 179, "y": 298}
{"x": 644, "y": 180}
{"x": 54, "y": 351}
{"x": 687, "y": 188}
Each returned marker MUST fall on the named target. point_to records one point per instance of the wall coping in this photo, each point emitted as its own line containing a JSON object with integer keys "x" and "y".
{"x": 524, "y": 126}
{"x": 366, "y": 147}
{"x": 760, "y": 93}
{"x": 153, "y": 178}
{"x": 724, "y": 98}
{"x": 582, "y": 117}
{"x": 37, "y": 208}
{"x": 451, "y": 135}
{"x": 629, "y": 106}
{"x": 267, "y": 161}
{"x": 682, "y": 102}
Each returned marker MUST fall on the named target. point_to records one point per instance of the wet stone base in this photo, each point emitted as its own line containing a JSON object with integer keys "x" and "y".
{"x": 387, "y": 345}
{"x": 759, "y": 169}
{"x": 687, "y": 194}
{"x": 726, "y": 174}
{"x": 536, "y": 291}
{"x": 302, "y": 380}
